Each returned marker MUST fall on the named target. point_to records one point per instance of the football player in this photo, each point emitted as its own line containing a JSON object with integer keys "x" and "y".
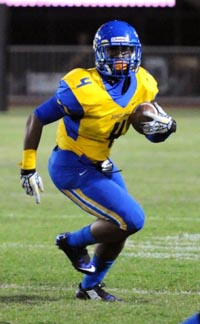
{"x": 93, "y": 107}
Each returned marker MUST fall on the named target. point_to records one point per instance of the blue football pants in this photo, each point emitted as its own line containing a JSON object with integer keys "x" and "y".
{"x": 103, "y": 195}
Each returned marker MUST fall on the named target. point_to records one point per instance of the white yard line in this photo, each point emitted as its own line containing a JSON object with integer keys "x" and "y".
{"x": 135, "y": 290}
{"x": 159, "y": 255}
{"x": 183, "y": 247}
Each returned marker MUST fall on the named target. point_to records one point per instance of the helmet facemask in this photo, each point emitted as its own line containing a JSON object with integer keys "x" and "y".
{"x": 117, "y": 60}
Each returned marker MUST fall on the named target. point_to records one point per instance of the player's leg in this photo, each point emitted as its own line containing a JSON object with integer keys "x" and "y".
{"x": 106, "y": 200}
{"x": 92, "y": 286}
{"x": 104, "y": 196}
{"x": 109, "y": 251}
{"x": 111, "y": 234}
{"x": 99, "y": 231}
{"x": 104, "y": 257}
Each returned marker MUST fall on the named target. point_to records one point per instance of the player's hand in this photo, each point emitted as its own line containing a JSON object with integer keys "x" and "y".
{"x": 32, "y": 184}
{"x": 161, "y": 122}
{"x": 161, "y": 125}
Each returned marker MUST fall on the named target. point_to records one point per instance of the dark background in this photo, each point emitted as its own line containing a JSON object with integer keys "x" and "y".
{"x": 62, "y": 26}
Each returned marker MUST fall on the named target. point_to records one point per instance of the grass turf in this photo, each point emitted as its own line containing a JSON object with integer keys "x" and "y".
{"x": 157, "y": 273}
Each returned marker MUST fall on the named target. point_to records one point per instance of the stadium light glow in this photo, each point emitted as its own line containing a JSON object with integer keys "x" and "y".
{"x": 89, "y": 3}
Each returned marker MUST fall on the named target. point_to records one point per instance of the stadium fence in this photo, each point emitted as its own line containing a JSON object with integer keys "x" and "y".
{"x": 34, "y": 71}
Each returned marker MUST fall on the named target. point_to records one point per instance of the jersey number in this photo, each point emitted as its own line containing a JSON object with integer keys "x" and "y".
{"x": 116, "y": 131}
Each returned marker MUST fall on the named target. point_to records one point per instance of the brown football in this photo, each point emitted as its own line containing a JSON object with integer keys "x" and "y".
{"x": 137, "y": 115}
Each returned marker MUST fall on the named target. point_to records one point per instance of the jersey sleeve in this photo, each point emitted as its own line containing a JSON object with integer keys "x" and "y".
{"x": 67, "y": 99}
{"x": 157, "y": 138}
{"x": 49, "y": 111}
{"x": 147, "y": 85}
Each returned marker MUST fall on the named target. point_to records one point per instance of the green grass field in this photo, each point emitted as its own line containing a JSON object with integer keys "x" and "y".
{"x": 157, "y": 274}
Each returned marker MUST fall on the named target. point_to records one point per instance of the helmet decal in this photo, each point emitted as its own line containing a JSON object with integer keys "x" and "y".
{"x": 120, "y": 39}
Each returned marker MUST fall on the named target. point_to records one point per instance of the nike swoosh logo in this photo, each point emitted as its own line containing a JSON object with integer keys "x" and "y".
{"x": 91, "y": 269}
{"x": 82, "y": 173}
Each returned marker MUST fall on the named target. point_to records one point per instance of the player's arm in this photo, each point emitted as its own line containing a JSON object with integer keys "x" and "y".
{"x": 30, "y": 179}
{"x": 46, "y": 113}
{"x": 161, "y": 126}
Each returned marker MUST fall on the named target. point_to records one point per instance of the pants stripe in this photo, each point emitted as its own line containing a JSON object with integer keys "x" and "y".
{"x": 94, "y": 208}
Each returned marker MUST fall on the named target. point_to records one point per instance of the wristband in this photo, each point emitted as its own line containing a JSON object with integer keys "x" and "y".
{"x": 29, "y": 159}
{"x": 27, "y": 172}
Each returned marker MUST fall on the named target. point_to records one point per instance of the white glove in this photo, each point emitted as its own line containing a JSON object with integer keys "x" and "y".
{"x": 161, "y": 123}
{"x": 32, "y": 184}
{"x": 106, "y": 166}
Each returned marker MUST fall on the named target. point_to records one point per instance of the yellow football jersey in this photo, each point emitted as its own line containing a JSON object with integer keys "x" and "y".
{"x": 97, "y": 112}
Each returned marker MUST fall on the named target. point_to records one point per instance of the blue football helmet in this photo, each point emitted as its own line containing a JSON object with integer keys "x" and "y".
{"x": 117, "y": 49}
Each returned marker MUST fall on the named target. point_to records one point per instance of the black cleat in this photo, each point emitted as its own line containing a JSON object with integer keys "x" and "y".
{"x": 96, "y": 293}
{"x": 78, "y": 256}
